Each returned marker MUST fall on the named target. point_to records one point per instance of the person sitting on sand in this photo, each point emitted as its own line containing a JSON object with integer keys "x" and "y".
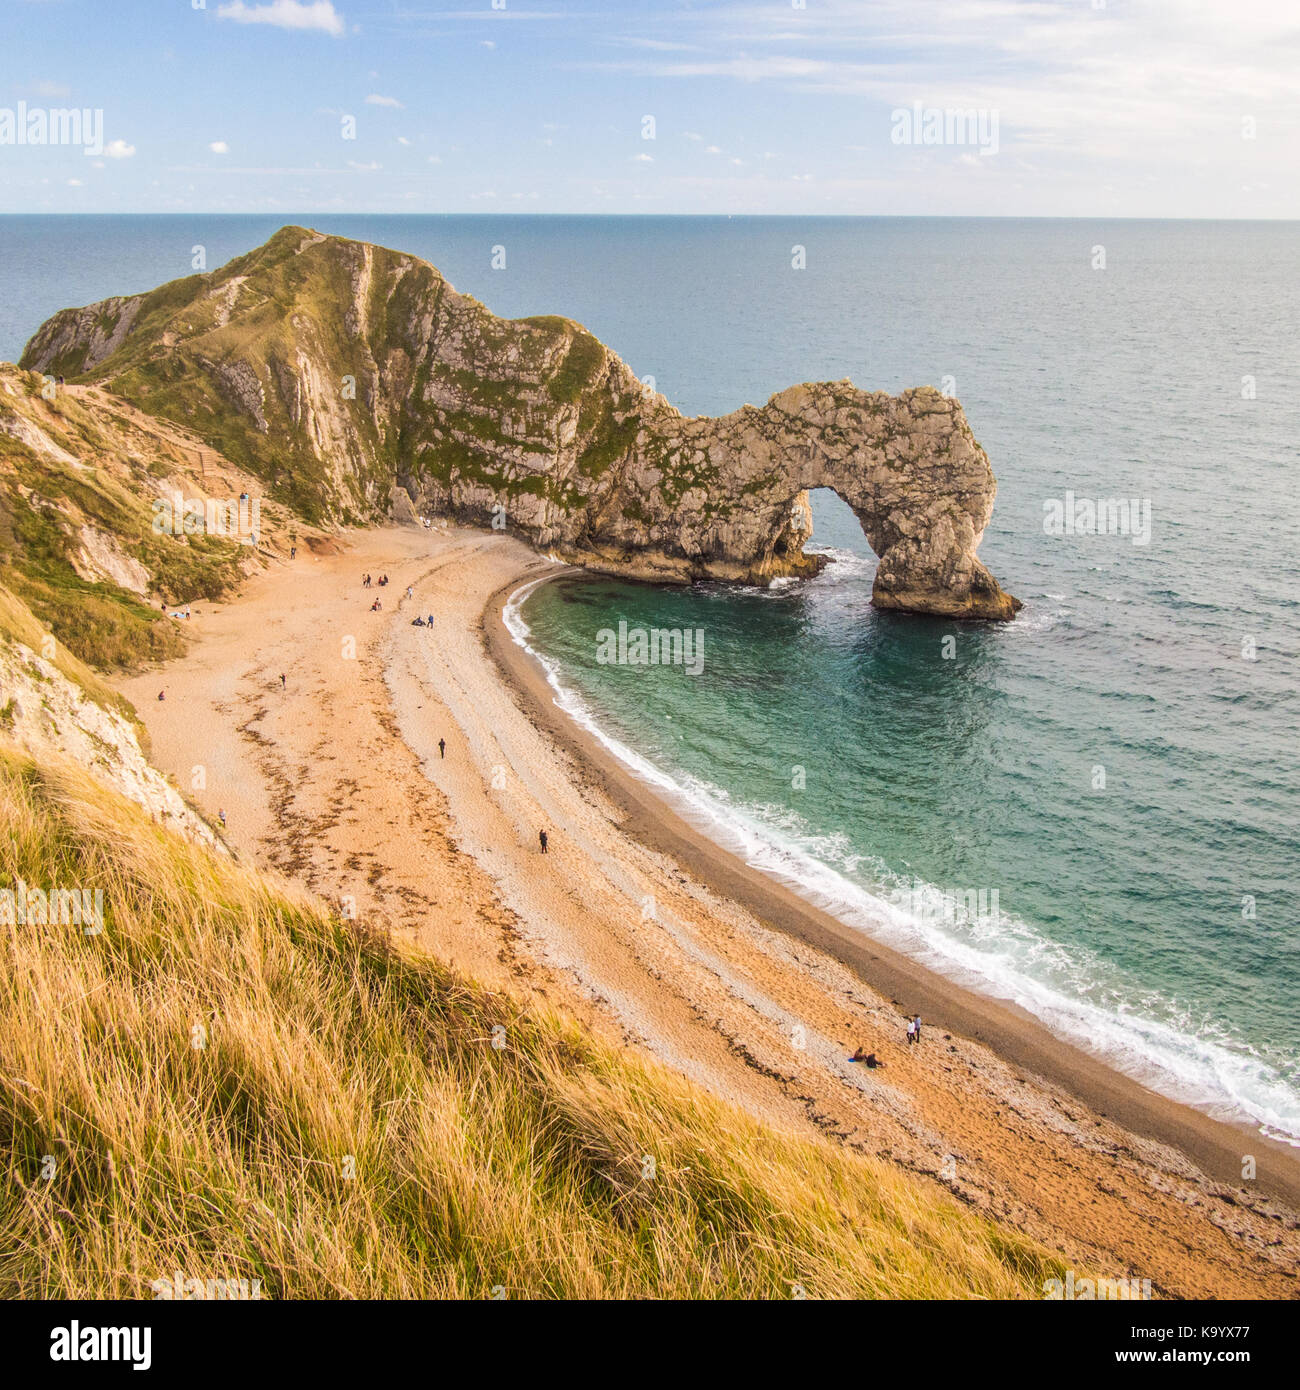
{"x": 376, "y": 607}
{"x": 419, "y": 622}
{"x": 870, "y": 1058}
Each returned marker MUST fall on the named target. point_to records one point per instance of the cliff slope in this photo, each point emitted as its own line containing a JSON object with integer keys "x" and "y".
{"x": 98, "y": 525}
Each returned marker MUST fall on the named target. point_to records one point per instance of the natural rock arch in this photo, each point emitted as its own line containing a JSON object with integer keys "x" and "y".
{"x": 531, "y": 421}
{"x": 908, "y": 466}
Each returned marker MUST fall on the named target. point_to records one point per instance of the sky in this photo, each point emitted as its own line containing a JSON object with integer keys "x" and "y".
{"x": 1054, "y": 108}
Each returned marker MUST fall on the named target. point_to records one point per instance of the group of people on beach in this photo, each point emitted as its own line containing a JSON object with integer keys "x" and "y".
{"x": 868, "y": 1059}
{"x": 871, "y": 1060}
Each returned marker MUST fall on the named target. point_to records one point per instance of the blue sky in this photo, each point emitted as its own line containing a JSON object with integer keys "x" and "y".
{"x": 1145, "y": 108}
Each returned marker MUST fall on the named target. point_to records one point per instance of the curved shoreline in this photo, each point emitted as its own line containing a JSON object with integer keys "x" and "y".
{"x": 1215, "y": 1146}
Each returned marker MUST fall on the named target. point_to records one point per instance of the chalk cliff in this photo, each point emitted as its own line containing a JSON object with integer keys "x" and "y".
{"x": 343, "y": 375}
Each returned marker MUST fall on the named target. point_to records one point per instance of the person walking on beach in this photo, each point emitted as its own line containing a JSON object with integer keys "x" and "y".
{"x": 442, "y": 753}
{"x": 221, "y": 816}
{"x": 916, "y": 1023}
{"x": 281, "y": 680}
{"x": 541, "y": 836}
{"x": 911, "y": 1032}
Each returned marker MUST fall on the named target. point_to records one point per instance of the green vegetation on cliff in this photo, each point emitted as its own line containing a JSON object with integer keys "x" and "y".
{"x": 68, "y": 481}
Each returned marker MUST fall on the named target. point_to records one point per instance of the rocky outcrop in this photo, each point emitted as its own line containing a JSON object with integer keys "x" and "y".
{"x": 95, "y": 332}
{"x": 336, "y": 371}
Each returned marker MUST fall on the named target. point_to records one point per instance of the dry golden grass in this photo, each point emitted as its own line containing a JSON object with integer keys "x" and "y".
{"x": 523, "y": 1168}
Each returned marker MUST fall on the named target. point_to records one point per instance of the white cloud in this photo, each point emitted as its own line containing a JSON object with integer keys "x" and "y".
{"x": 643, "y": 159}
{"x": 119, "y": 149}
{"x": 74, "y": 183}
{"x": 287, "y": 14}
{"x": 488, "y": 43}
{"x": 1087, "y": 84}
{"x": 219, "y": 147}
{"x": 369, "y": 168}
{"x": 402, "y": 140}
{"x": 435, "y": 159}
{"x": 374, "y": 99}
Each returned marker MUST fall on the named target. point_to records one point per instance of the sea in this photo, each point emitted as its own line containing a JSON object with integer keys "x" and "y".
{"x": 1092, "y": 811}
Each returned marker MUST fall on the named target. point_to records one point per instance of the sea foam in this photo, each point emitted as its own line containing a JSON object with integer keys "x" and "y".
{"x": 1075, "y": 995}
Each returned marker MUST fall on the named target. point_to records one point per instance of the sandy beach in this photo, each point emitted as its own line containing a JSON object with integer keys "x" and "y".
{"x": 646, "y": 932}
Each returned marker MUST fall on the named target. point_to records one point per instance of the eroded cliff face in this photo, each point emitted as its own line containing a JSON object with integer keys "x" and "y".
{"x": 47, "y": 714}
{"x": 335, "y": 370}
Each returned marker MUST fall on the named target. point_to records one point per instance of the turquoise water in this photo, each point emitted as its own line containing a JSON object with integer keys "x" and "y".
{"x": 1123, "y": 912}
